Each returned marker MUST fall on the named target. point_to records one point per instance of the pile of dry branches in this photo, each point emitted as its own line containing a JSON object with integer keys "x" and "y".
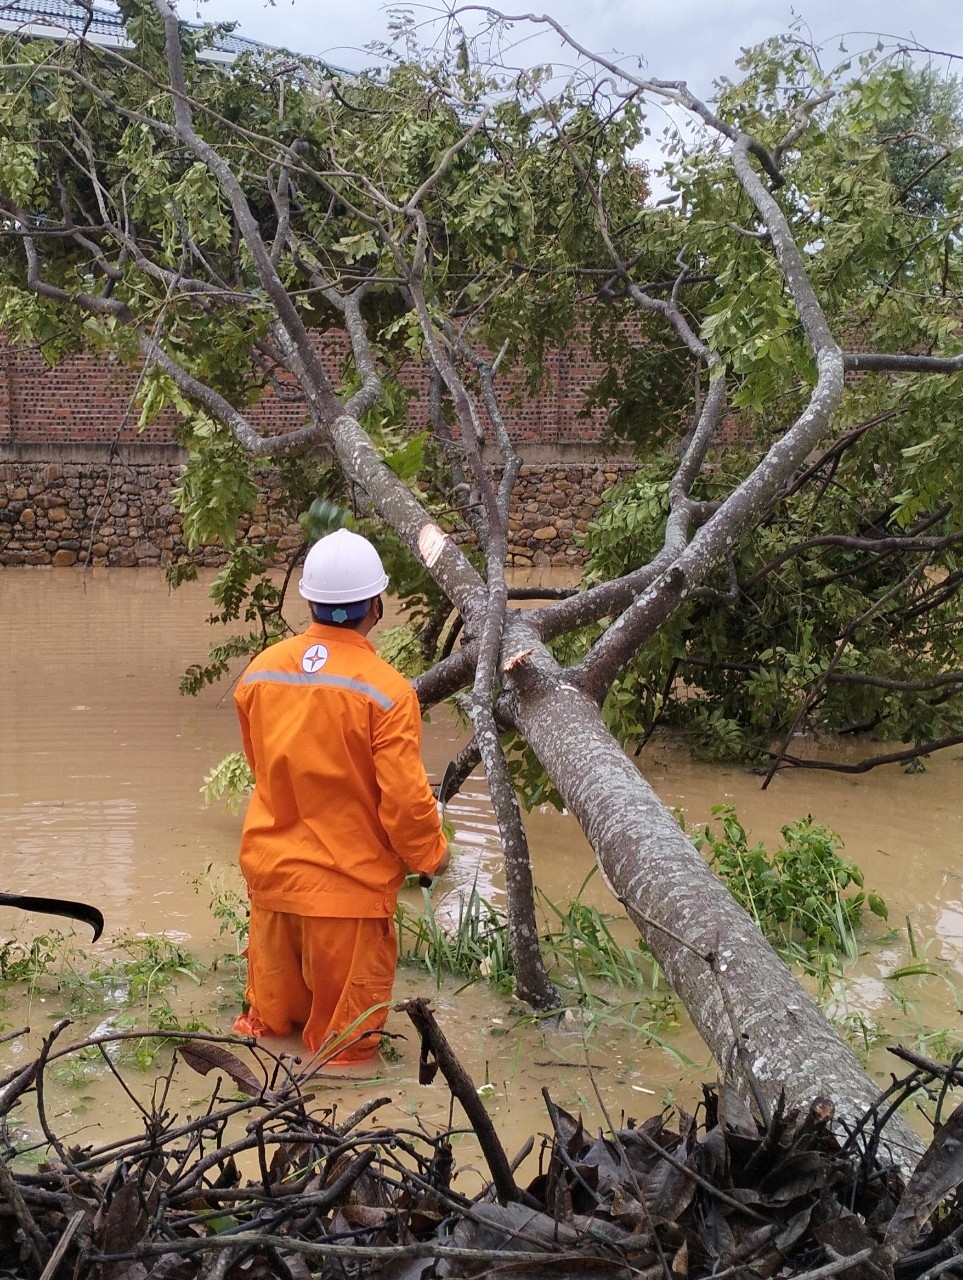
{"x": 720, "y": 1193}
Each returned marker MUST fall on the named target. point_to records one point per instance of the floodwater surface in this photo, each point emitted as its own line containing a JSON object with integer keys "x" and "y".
{"x": 101, "y": 766}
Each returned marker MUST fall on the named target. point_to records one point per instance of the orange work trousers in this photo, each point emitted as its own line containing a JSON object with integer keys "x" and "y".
{"x": 321, "y": 973}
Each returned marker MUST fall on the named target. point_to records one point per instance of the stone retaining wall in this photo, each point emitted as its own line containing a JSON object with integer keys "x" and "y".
{"x": 87, "y": 505}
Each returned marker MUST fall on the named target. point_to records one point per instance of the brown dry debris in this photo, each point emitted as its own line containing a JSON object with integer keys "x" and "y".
{"x": 678, "y": 1197}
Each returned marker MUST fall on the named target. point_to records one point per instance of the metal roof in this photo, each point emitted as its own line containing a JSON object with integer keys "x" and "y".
{"x": 102, "y": 24}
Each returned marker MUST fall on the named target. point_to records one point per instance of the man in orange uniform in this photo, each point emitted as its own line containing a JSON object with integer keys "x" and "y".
{"x": 341, "y": 810}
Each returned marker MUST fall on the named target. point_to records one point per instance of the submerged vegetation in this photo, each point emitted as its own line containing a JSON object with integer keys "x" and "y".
{"x": 132, "y": 985}
{"x": 808, "y": 899}
{"x": 800, "y": 895}
{"x": 796, "y": 894}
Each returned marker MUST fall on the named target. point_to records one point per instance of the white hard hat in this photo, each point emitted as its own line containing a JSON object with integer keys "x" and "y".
{"x": 342, "y": 568}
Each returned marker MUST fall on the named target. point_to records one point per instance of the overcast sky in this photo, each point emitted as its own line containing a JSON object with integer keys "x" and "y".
{"x": 694, "y": 40}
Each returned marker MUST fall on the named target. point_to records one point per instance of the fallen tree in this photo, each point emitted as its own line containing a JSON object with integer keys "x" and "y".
{"x": 206, "y": 223}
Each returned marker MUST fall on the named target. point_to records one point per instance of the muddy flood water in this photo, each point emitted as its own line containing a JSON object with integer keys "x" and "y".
{"x": 101, "y": 764}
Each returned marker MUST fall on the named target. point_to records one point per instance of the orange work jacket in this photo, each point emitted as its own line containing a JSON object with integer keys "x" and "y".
{"x": 341, "y": 804}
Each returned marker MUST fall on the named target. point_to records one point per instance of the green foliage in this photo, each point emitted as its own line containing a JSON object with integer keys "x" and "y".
{"x": 18, "y": 170}
{"x": 821, "y": 635}
{"x": 248, "y": 588}
{"x": 245, "y": 589}
{"x": 796, "y": 894}
{"x": 532, "y": 783}
{"x": 503, "y": 229}
{"x": 801, "y": 895}
{"x": 795, "y": 632}
{"x": 615, "y": 985}
{"x": 645, "y": 383}
{"x": 215, "y": 489}
{"x": 233, "y": 913}
{"x": 922, "y": 141}
{"x": 230, "y": 781}
{"x": 818, "y": 634}
{"x": 220, "y": 657}
{"x": 229, "y": 906}
{"x": 584, "y": 947}
{"x": 321, "y": 518}
{"x": 145, "y": 968}
{"x": 27, "y": 961}
{"x": 630, "y": 526}
{"x": 402, "y": 647}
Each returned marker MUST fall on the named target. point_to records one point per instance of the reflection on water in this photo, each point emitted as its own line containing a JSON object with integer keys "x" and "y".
{"x": 95, "y": 832}
{"x": 478, "y": 866}
{"x": 949, "y": 926}
{"x": 101, "y": 762}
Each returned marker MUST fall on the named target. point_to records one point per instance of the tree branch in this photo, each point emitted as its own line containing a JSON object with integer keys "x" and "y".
{"x": 874, "y": 762}
{"x": 751, "y": 499}
{"x": 876, "y": 362}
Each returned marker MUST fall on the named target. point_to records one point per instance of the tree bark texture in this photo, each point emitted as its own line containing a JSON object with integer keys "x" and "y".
{"x": 759, "y": 1023}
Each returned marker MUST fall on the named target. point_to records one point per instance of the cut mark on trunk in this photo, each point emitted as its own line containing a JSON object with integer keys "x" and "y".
{"x": 431, "y": 543}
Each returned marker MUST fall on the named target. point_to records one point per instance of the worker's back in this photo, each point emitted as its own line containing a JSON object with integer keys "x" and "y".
{"x": 341, "y": 802}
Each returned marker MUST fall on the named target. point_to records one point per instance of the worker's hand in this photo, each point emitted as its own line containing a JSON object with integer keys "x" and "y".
{"x": 445, "y": 862}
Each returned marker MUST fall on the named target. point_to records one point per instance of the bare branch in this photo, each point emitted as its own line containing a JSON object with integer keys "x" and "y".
{"x": 877, "y": 362}
{"x": 874, "y": 762}
{"x": 314, "y": 379}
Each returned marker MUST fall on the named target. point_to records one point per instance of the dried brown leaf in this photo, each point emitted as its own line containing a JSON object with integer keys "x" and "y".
{"x": 403, "y": 1269}
{"x": 735, "y": 1114}
{"x": 363, "y": 1215}
{"x": 714, "y": 1153}
{"x": 128, "y": 1271}
{"x": 204, "y": 1058}
{"x": 626, "y": 1210}
{"x": 571, "y": 1131}
{"x": 794, "y": 1229}
{"x": 289, "y": 1156}
{"x": 298, "y": 1269}
{"x": 796, "y": 1176}
{"x": 512, "y": 1228}
{"x": 938, "y": 1173}
{"x": 423, "y": 1220}
{"x": 637, "y": 1149}
{"x": 845, "y": 1235}
{"x": 716, "y": 1234}
{"x": 173, "y": 1266}
{"x": 601, "y": 1167}
{"x": 680, "y": 1261}
{"x": 121, "y": 1228}
{"x": 668, "y": 1191}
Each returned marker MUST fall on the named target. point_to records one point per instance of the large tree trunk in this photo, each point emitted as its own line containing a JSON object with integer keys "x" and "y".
{"x": 759, "y": 1023}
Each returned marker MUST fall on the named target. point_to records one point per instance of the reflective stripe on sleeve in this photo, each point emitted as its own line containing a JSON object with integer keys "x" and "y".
{"x": 320, "y": 678}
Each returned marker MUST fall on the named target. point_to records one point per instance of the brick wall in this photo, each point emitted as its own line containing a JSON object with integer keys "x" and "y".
{"x": 86, "y": 400}
{"x": 80, "y": 485}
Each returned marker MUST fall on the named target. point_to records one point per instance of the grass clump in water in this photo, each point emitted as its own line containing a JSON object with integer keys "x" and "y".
{"x": 580, "y": 947}
{"x": 474, "y": 945}
{"x": 131, "y": 985}
{"x": 801, "y": 895}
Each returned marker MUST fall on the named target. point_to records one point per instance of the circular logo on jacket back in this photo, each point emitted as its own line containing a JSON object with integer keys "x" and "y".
{"x": 314, "y": 659}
